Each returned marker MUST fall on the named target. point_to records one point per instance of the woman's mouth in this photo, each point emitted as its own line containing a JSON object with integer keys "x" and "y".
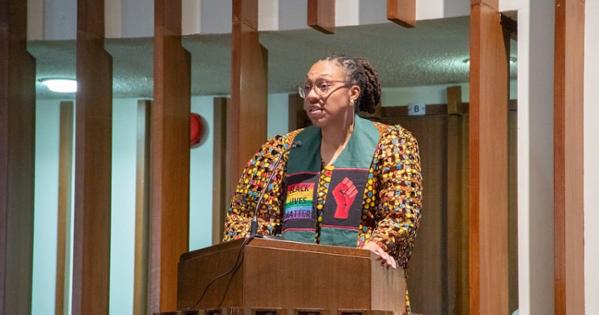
{"x": 315, "y": 110}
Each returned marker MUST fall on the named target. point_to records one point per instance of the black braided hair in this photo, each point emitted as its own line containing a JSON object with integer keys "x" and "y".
{"x": 361, "y": 73}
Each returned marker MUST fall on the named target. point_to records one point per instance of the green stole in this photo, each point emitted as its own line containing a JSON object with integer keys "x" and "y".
{"x": 336, "y": 218}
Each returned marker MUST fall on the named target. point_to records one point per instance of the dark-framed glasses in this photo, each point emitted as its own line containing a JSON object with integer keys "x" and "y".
{"x": 322, "y": 87}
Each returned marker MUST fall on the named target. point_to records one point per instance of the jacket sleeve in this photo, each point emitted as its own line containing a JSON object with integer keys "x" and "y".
{"x": 252, "y": 184}
{"x": 400, "y": 195}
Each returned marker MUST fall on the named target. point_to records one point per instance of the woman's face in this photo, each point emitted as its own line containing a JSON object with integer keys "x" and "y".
{"x": 327, "y": 93}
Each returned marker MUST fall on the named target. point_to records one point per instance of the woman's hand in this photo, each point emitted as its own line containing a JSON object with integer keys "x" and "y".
{"x": 384, "y": 258}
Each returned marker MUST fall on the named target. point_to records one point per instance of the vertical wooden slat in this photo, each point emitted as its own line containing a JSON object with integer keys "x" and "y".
{"x": 65, "y": 177}
{"x": 568, "y": 156}
{"x": 17, "y": 158}
{"x": 91, "y": 255}
{"x": 142, "y": 196}
{"x": 402, "y": 12}
{"x": 249, "y": 87}
{"x": 510, "y": 28}
{"x": 219, "y": 156}
{"x": 462, "y": 288}
{"x": 488, "y": 197}
{"x": 321, "y": 15}
{"x": 513, "y": 210}
{"x": 457, "y": 240}
{"x": 297, "y": 115}
{"x": 169, "y": 203}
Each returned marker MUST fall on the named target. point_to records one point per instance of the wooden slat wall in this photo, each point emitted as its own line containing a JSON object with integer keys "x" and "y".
{"x": 220, "y": 202}
{"x": 142, "y": 212}
{"x": 65, "y": 177}
{"x": 17, "y": 158}
{"x": 568, "y": 156}
{"x": 456, "y": 287}
{"x": 321, "y": 15}
{"x": 249, "y": 87}
{"x": 169, "y": 188}
{"x": 488, "y": 196}
{"x": 402, "y": 12}
{"x": 91, "y": 255}
{"x": 428, "y": 269}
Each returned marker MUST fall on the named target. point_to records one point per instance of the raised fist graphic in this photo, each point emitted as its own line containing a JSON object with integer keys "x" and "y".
{"x": 345, "y": 193}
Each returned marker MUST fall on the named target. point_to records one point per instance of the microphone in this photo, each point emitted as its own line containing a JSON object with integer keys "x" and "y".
{"x": 254, "y": 222}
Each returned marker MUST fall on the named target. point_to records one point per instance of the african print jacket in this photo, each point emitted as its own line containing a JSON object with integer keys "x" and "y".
{"x": 390, "y": 190}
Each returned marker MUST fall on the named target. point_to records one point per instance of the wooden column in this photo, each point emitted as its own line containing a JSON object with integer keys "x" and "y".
{"x": 249, "y": 90}
{"x": 568, "y": 156}
{"x": 488, "y": 166}
{"x": 142, "y": 208}
{"x": 91, "y": 254}
{"x": 321, "y": 15}
{"x": 402, "y": 12}
{"x": 220, "y": 202}
{"x": 169, "y": 163}
{"x": 17, "y": 159}
{"x": 65, "y": 178}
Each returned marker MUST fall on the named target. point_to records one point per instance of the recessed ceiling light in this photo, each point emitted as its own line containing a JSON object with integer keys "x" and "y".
{"x": 60, "y": 85}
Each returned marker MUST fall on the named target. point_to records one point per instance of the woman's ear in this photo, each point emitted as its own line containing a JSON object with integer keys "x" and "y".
{"x": 354, "y": 93}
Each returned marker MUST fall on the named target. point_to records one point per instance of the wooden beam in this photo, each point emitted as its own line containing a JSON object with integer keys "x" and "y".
{"x": 568, "y": 156}
{"x": 249, "y": 89}
{"x": 488, "y": 167}
{"x": 220, "y": 200}
{"x": 17, "y": 159}
{"x": 65, "y": 178}
{"x": 142, "y": 208}
{"x": 93, "y": 157}
{"x": 321, "y": 15}
{"x": 169, "y": 204}
{"x": 402, "y": 12}
{"x": 454, "y": 100}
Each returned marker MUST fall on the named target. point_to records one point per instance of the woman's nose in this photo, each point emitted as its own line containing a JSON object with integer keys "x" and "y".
{"x": 312, "y": 96}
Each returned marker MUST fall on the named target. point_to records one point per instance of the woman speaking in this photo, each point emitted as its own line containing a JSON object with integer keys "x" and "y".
{"x": 351, "y": 182}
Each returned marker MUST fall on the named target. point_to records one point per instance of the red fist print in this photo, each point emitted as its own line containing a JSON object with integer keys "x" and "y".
{"x": 345, "y": 193}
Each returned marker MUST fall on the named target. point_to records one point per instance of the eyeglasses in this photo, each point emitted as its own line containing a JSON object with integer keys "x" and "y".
{"x": 322, "y": 87}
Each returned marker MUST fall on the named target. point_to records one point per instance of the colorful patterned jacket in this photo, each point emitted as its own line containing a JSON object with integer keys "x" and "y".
{"x": 391, "y": 195}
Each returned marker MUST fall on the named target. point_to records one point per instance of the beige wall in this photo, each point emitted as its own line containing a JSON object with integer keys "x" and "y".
{"x": 591, "y": 157}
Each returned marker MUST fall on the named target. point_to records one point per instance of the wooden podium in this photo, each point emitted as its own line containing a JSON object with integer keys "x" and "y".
{"x": 277, "y": 277}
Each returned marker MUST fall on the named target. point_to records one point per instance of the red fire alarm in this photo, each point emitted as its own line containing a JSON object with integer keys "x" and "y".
{"x": 197, "y": 130}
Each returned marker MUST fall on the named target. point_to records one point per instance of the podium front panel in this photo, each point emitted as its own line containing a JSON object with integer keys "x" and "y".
{"x": 289, "y": 276}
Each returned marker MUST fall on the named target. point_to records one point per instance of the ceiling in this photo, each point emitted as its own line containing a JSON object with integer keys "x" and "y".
{"x": 431, "y": 53}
